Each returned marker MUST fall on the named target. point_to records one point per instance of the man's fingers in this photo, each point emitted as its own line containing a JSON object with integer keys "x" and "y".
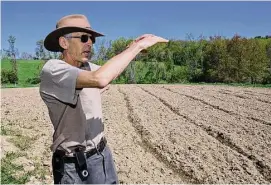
{"x": 151, "y": 36}
{"x": 148, "y": 40}
{"x": 143, "y": 36}
{"x": 160, "y": 39}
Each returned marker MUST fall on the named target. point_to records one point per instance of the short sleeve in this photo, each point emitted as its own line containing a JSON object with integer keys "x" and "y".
{"x": 58, "y": 79}
{"x": 94, "y": 67}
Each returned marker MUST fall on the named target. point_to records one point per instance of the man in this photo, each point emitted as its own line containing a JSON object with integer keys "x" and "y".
{"x": 71, "y": 89}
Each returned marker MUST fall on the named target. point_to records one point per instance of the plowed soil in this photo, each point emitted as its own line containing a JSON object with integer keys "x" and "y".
{"x": 160, "y": 133}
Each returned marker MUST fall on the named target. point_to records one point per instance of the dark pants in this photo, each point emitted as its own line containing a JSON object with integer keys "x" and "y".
{"x": 100, "y": 166}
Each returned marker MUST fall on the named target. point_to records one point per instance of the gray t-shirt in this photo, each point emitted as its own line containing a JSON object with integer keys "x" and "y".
{"x": 76, "y": 114}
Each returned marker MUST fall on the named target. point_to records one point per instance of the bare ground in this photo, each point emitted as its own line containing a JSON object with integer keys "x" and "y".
{"x": 158, "y": 133}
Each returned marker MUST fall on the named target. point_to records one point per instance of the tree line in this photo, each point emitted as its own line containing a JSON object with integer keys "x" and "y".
{"x": 214, "y": 59}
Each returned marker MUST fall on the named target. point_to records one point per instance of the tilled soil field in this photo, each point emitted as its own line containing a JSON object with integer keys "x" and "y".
{"x": 158, "y": 133}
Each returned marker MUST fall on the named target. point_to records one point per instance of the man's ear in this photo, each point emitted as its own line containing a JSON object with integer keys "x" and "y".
{"x": 63, "y": 42}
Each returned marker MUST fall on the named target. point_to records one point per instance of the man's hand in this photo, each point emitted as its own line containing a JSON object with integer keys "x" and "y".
{"x": 147, "y": 40}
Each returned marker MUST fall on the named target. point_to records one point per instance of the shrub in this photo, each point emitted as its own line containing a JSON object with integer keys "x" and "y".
{"x": 179, "y": 74}
{"x": 8, "y": 76}
{"x": 34, "y": 80}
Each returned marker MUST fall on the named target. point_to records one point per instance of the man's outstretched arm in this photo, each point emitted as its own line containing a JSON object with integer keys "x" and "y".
{"x": 116, "y": 65}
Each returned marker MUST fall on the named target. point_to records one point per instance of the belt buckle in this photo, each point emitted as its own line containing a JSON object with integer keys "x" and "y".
{"x": 60, "y": 153}
{"x": 79, "y": 149}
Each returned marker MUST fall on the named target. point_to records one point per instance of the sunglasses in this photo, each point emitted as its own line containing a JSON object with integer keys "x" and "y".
{"x": 84, "y": 38}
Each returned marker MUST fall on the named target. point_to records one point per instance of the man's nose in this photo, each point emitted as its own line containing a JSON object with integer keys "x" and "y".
{"x": 89, "y": 42}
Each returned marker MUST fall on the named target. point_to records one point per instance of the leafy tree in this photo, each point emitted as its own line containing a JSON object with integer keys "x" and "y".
{"x": 193, "y": 57}
{"x": 256, "y": 61}
{"x": 117, "y": 46}
{"x": 216, "y": 65}
{"x": 12, "y": 52}
{"x": 176, "y": 51}
{"x": 237, "y": 52}
{"x": 40, "y": 50}
{"x": 267, "y": 76}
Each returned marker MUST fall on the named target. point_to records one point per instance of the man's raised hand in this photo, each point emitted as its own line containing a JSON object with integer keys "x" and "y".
{"x": 147, "y": 40}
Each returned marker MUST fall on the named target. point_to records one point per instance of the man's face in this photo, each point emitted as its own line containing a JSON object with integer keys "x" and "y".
{"x": 80, "y": 46}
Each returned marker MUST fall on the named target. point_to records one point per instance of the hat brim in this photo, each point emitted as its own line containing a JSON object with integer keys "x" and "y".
{"x": 51, "y": 41}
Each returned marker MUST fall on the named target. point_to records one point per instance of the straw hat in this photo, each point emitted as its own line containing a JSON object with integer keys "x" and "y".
{"x": 68, "y": 24}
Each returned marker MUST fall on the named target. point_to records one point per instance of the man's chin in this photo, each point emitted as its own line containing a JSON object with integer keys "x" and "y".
{"x": 84, "y": 60}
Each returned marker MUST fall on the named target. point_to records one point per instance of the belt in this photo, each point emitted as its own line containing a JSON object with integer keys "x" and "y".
{"x": 67, "y": 159}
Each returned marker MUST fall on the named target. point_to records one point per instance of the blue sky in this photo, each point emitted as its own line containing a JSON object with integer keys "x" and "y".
{"x": 31, "y": 21}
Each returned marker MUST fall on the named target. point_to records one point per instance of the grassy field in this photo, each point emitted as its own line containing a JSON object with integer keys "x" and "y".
{"x": 26, "y": 69}
{"x": 30, "y": 68}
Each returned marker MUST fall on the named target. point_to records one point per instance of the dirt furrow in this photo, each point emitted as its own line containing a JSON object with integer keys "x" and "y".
{"x": 247, "y": 100}
{"x": 187, "y": 147}
{"x": 230, "y": 107}
{"x": 227, "y": 132}
{"x": 233, "y": 89}
{"x": 134, "y": 159}
{"x": 248, "y": 97}
{"x": 259, "y": 94}
{"x": 250, "y": 109}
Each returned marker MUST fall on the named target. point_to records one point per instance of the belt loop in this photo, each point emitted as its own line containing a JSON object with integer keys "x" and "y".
{"x": 101, "y": 145}
{"x": 96, "y": 147}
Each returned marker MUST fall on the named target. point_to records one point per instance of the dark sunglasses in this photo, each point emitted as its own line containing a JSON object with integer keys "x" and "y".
{"x": 84, "y": 38}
